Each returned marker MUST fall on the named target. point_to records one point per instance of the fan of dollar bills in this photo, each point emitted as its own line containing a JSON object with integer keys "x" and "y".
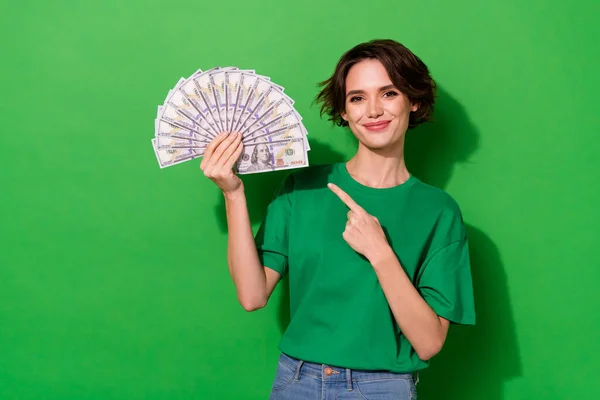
{"x": 231, "y": 100}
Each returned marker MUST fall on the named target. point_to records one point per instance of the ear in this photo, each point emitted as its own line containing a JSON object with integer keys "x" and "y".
{"x": 344, "y": 115}
{"x": 414, "y": 107}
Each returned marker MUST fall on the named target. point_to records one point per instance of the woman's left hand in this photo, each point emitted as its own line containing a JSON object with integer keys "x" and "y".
{"x": 363, "y": 231}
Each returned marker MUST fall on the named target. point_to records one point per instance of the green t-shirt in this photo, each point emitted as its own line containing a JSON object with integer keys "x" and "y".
{"x": 339, "y": 313}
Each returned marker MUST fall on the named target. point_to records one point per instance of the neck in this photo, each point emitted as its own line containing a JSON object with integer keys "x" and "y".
{"x": 382, "y": 168}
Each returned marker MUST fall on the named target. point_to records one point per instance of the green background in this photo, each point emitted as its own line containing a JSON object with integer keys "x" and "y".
{"x": 113, "y": 278}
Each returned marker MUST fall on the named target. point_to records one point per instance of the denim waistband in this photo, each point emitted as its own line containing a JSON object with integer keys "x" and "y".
{"x": 338, "y": 374}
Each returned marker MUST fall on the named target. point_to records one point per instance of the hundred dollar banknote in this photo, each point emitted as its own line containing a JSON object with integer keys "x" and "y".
{"x": 169, "y": 157}
{"x": 272, "y": 156}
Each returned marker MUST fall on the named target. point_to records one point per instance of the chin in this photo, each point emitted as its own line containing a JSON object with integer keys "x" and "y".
{"x": 379, "y": 141}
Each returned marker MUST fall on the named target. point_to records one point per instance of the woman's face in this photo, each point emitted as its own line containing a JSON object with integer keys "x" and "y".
{"x": 377, "y": 112}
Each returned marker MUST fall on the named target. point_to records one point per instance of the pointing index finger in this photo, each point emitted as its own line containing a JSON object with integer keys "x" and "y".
{"x": 346, "y": 199}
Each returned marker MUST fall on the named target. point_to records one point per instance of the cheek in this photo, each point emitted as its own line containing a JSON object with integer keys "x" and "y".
{"x": 396, "y": 108}
{"x": 353, "y": 113}
{"x": 399, "y": 112}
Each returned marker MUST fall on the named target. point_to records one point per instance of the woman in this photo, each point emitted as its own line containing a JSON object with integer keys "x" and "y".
{"x": 378, "y": 261}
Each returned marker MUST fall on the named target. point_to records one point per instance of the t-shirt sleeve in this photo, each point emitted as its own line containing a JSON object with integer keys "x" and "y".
{"x": 446, "y": 283}
{"x": 272, "y": 238}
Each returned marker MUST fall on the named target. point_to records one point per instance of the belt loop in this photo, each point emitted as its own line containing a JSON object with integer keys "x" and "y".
{"x": 348, "y": 380}
{"x": 297, "y": 377}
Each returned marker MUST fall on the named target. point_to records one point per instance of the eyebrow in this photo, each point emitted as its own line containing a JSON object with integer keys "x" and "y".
{"x": 381, "y": 89}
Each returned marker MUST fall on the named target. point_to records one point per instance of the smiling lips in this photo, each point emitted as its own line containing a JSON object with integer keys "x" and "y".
{"x": 377, "y": 126}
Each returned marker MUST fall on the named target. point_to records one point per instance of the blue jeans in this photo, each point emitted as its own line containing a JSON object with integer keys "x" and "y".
{"x": 299, "y": 380}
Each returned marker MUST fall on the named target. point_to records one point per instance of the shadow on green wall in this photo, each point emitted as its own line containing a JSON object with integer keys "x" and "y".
{"x": 259, "y": 192}
{"x": 475, "y": 361}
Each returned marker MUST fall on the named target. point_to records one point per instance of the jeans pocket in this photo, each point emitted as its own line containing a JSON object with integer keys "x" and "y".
{"x": 413, "y": 389}
{"x": 386, "y": 389}
{"x": 284, "y": 375}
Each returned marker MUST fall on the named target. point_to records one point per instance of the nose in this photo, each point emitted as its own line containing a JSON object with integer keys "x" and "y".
{"x": 374, "y": 110}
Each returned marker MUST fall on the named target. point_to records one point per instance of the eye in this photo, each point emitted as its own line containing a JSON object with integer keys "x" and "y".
{"x": 390, "y": 94}
{"x": 354, "y": 99}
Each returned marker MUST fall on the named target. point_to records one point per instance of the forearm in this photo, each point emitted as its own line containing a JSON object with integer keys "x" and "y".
{"x": 244, "y": 264}
{"x": 416, "y": 319}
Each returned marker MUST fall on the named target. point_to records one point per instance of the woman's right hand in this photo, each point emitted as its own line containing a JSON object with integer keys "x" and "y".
{"x": 218, "y": 160}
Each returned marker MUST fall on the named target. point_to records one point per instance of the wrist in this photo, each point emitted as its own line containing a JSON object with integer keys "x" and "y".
{"x": 382, "y": 257}
{"x": 234, "y": 193}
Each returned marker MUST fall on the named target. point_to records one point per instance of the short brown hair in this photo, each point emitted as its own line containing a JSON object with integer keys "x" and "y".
{"x": 408, "y": 73}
